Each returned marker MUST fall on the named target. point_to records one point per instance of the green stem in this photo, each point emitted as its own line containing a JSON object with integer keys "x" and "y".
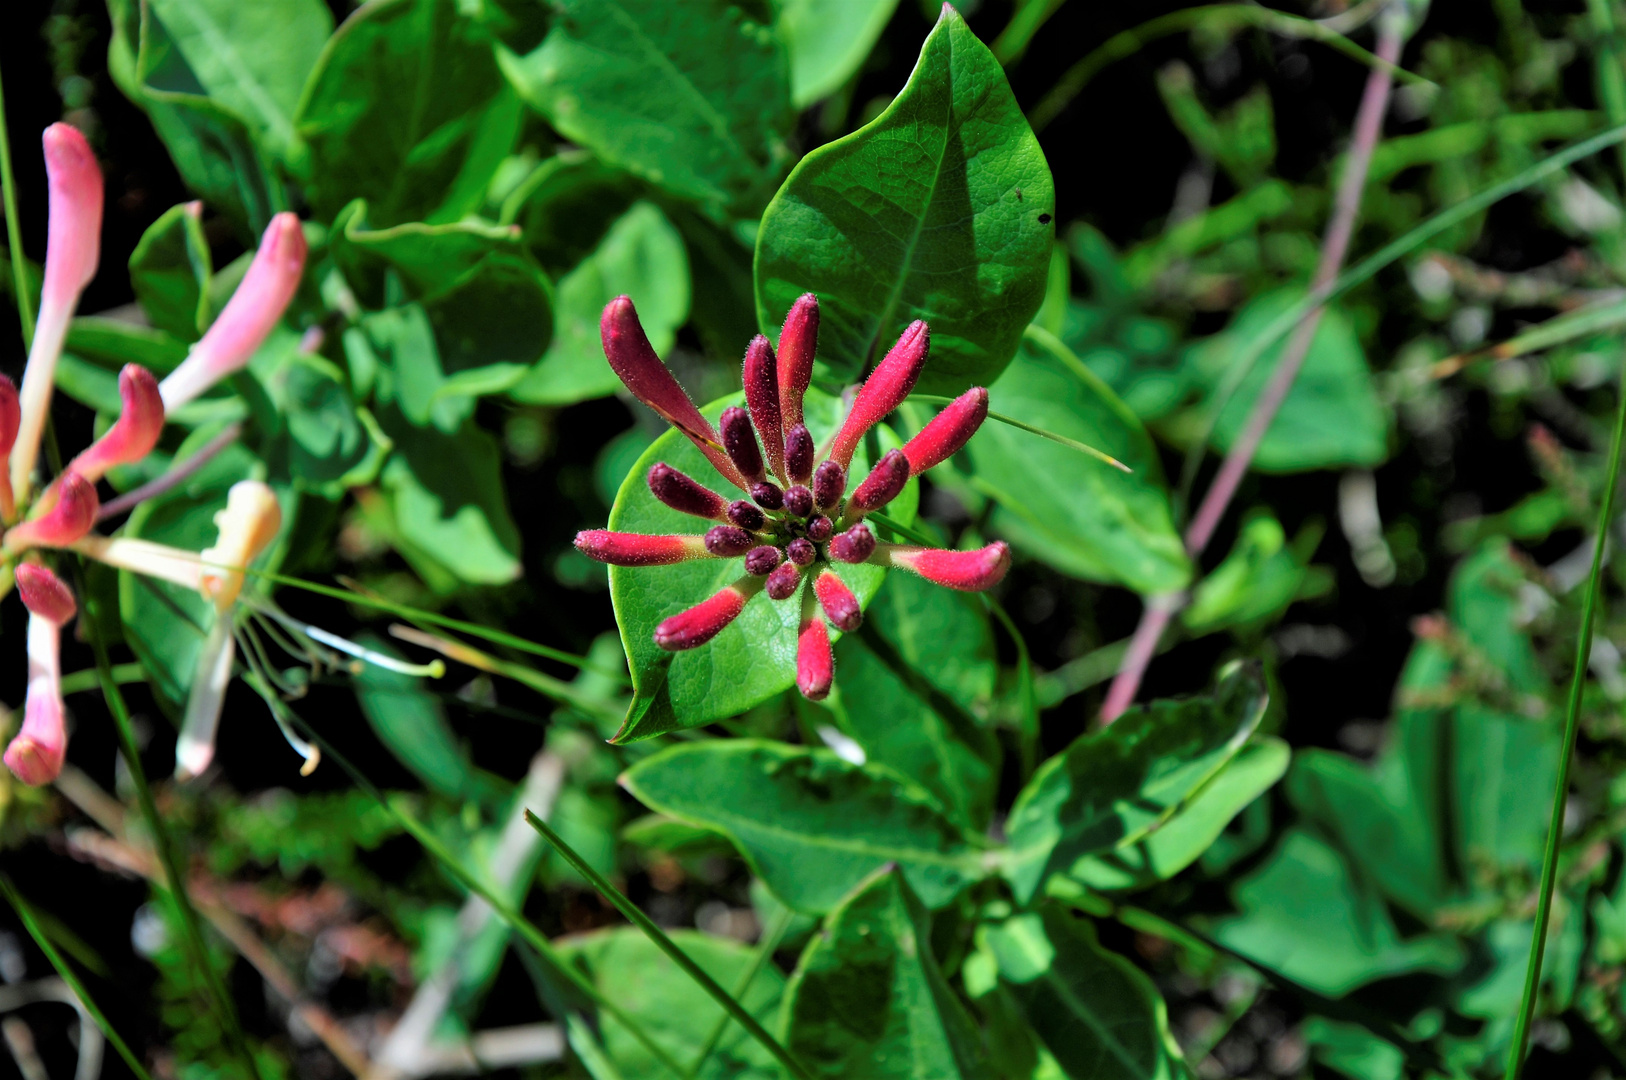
{"x": 1021, "y": 425}
{"x": 669, "y": 947}
{"x": 772, "y": 935}
{"x": 902, "y": 530}
{"x": 14, "y": 233}
{"x": 69, "y": 976}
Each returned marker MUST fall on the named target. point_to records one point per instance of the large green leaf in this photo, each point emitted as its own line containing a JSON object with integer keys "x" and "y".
{"x": 567, "y": 204}
{"x": 427, "y": 259}
{"x": 1098, "y": 1014}
{"x": 318, "y": 437}
{"x": 1077, "y": 514}
{"x": 251, "y": 57}
{"x": 868, "y": 1001}
{"x": 828, "y": 42}
{"x": 811, "y": 825}
{"x": 1111, "y": 787}
{"x": 641, "y": 256}
{"x": 755, "y": 658}
{"x": 693, "y": 97}
{"x": 407, "y": 110}
{"x": 939, "y": 210}
{"x": 170, "y": 270}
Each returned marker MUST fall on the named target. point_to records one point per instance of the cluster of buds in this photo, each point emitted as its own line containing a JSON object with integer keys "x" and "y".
{"x": 798, "y": 518}
{"x": 63, "y": 513}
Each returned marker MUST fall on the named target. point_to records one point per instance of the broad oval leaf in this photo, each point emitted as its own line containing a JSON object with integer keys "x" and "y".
{"x": 828, "y": 41}
{"x": 811, "y": 825}
{"x": 939, "y": 210}
{"x": 755, "y": 658}
{"x": 170, "y": 270}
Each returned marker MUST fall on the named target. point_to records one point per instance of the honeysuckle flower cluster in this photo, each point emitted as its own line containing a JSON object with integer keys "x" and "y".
{"x": 799, "y": 517}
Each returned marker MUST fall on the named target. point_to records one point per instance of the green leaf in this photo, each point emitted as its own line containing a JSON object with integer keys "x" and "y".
{"x": 1259, "y": 578}
{"x": 868, "y": 1001}
{"x": 170, "y": 270}
{"x": 828, "y": 42}
{"x": 755, "y": 657}
{"x": 427, "y": 259}
{"x": 939, "y": 210}
{"x": 641, "y": 256}
{"x": 251, "y": 57}
{"x": 566, "y": 205}
{"x": 1111, "y": 787}
{"x": 663, "y": 1000}
{"x": 112, "y": 343}
{"x": 320, "y": 438}
{"x": 811, "y": 825}
{"x": 1080, "y": 516}
{"x": 1353, "y": 1051}
{"x": 1097, "y": 1013}
{"x": 407, "y": 110}
{"x": 692, "y": 97}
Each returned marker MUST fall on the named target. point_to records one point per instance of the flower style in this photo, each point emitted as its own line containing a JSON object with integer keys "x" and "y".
{"x": 799, "y": 518}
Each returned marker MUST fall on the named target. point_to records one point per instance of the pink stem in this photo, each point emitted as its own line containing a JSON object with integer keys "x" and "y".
{"x": 160, "y": 484}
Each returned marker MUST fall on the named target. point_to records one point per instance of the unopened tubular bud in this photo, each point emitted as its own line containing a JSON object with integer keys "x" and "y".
{"x": 133, "y": 434}
{"x": 699, "y": 624}
{"x": 781, "y": 584}
{"x": 815, "y": 661}
{"x": 746, "y": 516}
{"x": 763, "y": 560}
{"x": 727, "y": 541}
{"x": 10, "y": 418}
{"x": 948, "y": 431}
{"x": 853, "y": 546}
{"x": 801, "y": 551}
{"x": 967, "y": 571}
{"x": 798, "y": 501}
{"x": 829, "y": 484}
{"x": 883, "y": 484}
{"x": 820, "y": 529}
{"x": 884, "y": 390}
{"x": 248, "y": 317}
{"x": 799, "y": 451}
{"x": 36, "y": 754}
{"x": 768, "y": 495}
{"x": 44, "y": 594}
{"x": 798, "y": 343}
{"x": 251, "y": 520}
{"x": 839, "y": 604}
{"x": 761, "y": 378}
{"x": 71, "y": 518}
{"x": 683, "y": 494}
{"x": 636, "y": 549}
{"x": 741, "y": 443}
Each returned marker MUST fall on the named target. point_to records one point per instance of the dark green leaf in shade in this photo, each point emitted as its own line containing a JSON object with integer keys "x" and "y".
{"x": 1099, "y": 1015}
{"x": 428, "y": 259}
{"x": 940, "y": 210}
{"x": 1082, "y": 517}
{"x": 692, "y": 97}
{"x": 1260, "y": 576}
{"x": 407, "y": 110}
{"x": 828, "y": 41}
{"x": 811, "y": 825}
{"x": 170, "y": 270}
{"x": 566, "y": 205}
{"x": 318, "y": 435}
{"x": 1111, "y": 787}
{"x": 1353, "y": 1051}
{"x": 755, "y": 657}
{"x": 868, "y": 1001}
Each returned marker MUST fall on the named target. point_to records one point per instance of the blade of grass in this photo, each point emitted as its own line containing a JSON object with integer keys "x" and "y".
{"x": 69, "y": 976}
{"x": 1544, "y": 335}
{"x": 14, "y": 233}
{"x": 1025, "y": 690}
{"x": 1072, "y": 444}
{"x": 772, "y": 935}
{"x": 77, "y": 682}
{"x": 669, "y": 947}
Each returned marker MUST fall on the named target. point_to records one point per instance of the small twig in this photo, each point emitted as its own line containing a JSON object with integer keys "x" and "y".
{"x": 157, "y": 486}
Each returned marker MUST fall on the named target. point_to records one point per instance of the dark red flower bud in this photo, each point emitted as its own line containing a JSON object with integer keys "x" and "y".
{"x": 815, "y": 662}
{"x": 761, "y": 379}
{"x": 745, "y": 515}
{"x": 699, "y": 624}
{"x": 67, "y": 521}
{"x": 799, "y": 452}
{"x": 741, "y": 443}
{"x": 768, "y": 495}
{"x": 883, "y": 483}
{"x": 820, "y": 529}
{"x": 782, "y": 582}
{"x": 949, "y": 430}
{"x": 727, "y": 541}
{"x": 763, "y": 559}
{"x": 838, "y": 601}
{"x": 801, "y": 551}
{"x": 11, "y": 415}
{"x": 829, "y": 484}
{"x": 799, "y": 501}
{"x": 798, "y": 342}
{"x": 678, "y": 491}
{"x": 853, "y": 546}
{"x": 884, "y": 390}
{"x": 636, "y": 549}
{"x": 967, "y": 571}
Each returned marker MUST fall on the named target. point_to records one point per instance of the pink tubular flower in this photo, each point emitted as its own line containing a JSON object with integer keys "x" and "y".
{"x": 839, "y": 604}
{"x": 10, "y": 419}
{"x": 798, "y": 344}
{"x": 884, "y": 390}
{"x": 249, "y": 316}
{"x": 635, "y": 549}
{"x": 815, "y": 662}
{"x": 68, "y": 520}
{"x": 134, "y": 434}
{"x": 967, "y": 571}
{"x": 948, "y": 431}
{"x": 36, "y": 754}
{"x": 699, "y": 624}
{"x": 760, "y": 377}
{"x": 883, "y": 484}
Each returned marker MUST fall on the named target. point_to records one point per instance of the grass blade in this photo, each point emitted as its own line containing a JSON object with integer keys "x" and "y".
{"x": 14, "y": 233}
{"x": 772, "y": 935}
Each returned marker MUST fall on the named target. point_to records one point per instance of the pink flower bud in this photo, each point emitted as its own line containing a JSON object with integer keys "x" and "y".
{"x": 249, "y": 316}
{"x": 768, "y": 495}
{"x": 761, "y": 379}
{"x": 698, "y": 625}
{"x": 883, "y": 484}
{"x": 853, "y": 546}
{"x": 71, "y": 518}
{"x": 10, "y": 419}
{"x": 727, "y": 541}
{"x": 799, "y": 452}
{"x": 687, "y": 496}
{"x": 829, "y": 483}
{"x": 781, "y": 584}
{"x": 763, "y": 560}
{"x": 884, "y": 390}
{"x": 815, "y": 662}
{"x": 44, "y": 594}
{"x": 134, "y": 434}
{"x": 798, "y": 342}
{"x": 949, "y": 430}
{"x": 746, "y": 516}
{"x": 967, "y": 571}
{"x": 838, "y": 601}
{"x": 820, "y": 529}
{"x": 634, "y": 361}
{"x": 801, "y": 551}
{"x": 635, "y": 549}
{"x": 740, "y": 441}
{"x": 36, "y": 754}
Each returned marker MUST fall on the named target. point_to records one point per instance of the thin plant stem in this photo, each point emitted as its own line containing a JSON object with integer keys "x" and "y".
{"x": 69, "y": 976}
{"x": 1368, "y": 127}
{"x": 172, "y": 478}
{"x": 669, "y": 947}
{"x": 14, "y": 232}
{"x": 772, "y": 935}
{"x": 1022, "y": 425}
